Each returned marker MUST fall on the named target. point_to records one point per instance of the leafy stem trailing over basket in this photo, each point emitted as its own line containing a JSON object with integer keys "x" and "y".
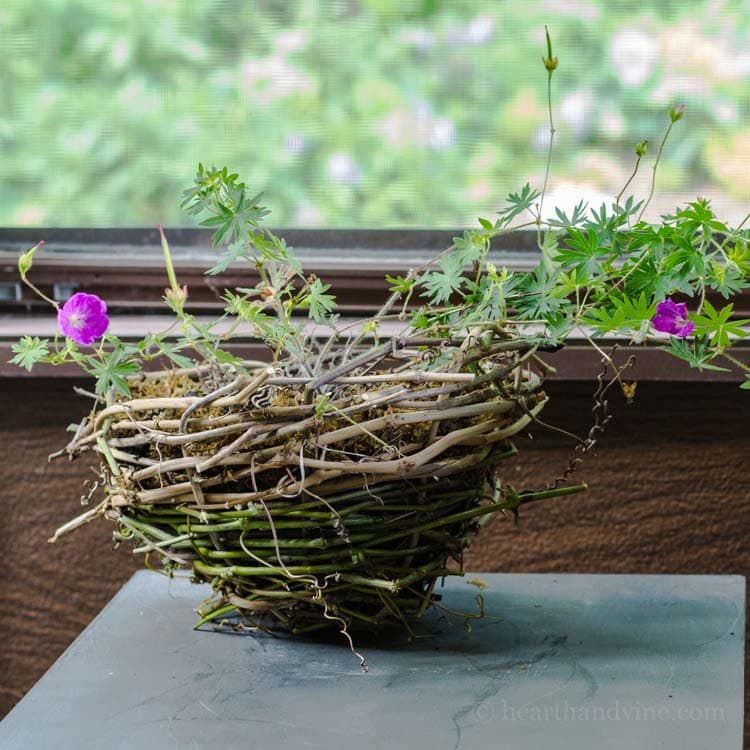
{"x": 600, "y": 272}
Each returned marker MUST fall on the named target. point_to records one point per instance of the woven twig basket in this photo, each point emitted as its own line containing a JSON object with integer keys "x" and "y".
{"x": 308, "y": 502}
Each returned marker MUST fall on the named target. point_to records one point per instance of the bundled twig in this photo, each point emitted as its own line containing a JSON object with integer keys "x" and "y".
{"x": 330, "y": 499}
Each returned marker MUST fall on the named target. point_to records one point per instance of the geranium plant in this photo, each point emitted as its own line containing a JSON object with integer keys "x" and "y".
{"x": 335, "y": 482}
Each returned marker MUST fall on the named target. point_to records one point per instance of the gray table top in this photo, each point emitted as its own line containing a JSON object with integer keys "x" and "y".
{"x": 566, "y": 661}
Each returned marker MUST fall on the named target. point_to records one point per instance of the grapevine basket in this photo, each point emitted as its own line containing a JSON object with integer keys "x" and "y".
{"x": 306, "y": 502}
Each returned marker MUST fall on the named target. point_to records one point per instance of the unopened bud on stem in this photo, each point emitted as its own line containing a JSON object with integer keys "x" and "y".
{"x": 175, "y": 293}
{"x": 26, "y": 259}
{"x": 676, "y": 113}
{"x": 177, "y": 297}
{"x": 549, "y": 62}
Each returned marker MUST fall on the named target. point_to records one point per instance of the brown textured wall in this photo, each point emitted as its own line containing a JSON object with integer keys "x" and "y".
{"x": 48, "y": 593}
{"x": 670, "y": 493}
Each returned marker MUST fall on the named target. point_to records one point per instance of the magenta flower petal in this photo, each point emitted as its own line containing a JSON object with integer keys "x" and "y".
{"x": 83, "y": 318}
{"x": 671, "y": 317}
{"x": 686, "y": 330}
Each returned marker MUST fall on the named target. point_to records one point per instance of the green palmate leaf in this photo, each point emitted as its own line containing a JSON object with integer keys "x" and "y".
{"x": 484, "y": 300}
{"x": 557, "y": 327}
{"x": 227, "y": 358}
{"x": 239, "y": 305}
{"x": 172, "y": 353}
{"x": 637, "y": 310}
{"x": 630, "y": 208}
{"x": 604, "y": 321}
{"x": 440, "y": 286}
{"x": 517, "y": 204}
{"x": 645, "y": 276}
{"x": 250, "y": 310}
{"x": 319, "y": 303}
{"x": 538, "y": 297}
{"x": 566, "y": 222}
{"x": 603, "y": 223}
{"x": 683, "y": 260}
{"x": 220, "y": 195}
{"x": 472, "y": 247}
{"x": 113, "y": 373}
{"x": 697, "y": 217}
{"x": 275, "y": 249}
{"x": 572, "y": 281}
{"x": 727, "y": 280}
{"x": 622, "y": 314}
{"x": 717, "y": 326}
{"x": 420, "y": 320}
{"x": 738, "y": 257}
{"x": 583, "y": 250}
{"x": 231, "y": 254}
{"x": 549, "y": 248}
{"x": 29, "y": 351}
{"x": 698, "y": 355}
{"x": 400, "y": 285}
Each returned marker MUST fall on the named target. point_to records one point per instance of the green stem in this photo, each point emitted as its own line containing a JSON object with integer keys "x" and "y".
{"x": 422, "y": 573}
{"x": 737, "y": 362}
{"x": 39, "y": 293}
{"x": 376, "y": 583}
{"x": 549, "y": 159}
{"x": 224, "y": 610}
{"x": 482, "y": 510}
{"x": 168, "y": 261}
{"x": 243, "y": 570}
{"x": 653, "y": 171}
{"x": 742, "y": 223}
{"x": 101, "y": 443}
{"x": 625, "y": 186}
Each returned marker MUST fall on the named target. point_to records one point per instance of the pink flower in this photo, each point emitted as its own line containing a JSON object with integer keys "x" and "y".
{"x": 83, "y": 318}
{"x": 671, "y": 317}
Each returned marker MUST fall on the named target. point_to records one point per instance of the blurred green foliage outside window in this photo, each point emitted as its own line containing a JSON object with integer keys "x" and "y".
{"x": 363, "y": 113}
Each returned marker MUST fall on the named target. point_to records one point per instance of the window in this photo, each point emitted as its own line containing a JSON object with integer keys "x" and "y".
{"x": 364, "y": 113}
{"x": 358, "y": 118}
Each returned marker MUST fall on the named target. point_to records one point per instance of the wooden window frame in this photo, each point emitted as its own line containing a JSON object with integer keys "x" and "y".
{"x": 124, "y": 266}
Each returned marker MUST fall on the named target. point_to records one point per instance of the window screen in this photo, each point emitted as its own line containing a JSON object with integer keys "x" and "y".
{"x": 364, "y": 113}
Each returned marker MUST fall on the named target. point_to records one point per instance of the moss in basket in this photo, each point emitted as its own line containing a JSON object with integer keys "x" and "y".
{"x": 337, "y": 483}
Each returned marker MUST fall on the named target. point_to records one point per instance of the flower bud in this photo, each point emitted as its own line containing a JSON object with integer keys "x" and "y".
{"x": 640, "y": 149}
{"x": 677, "y": 112}
{"x": 27, "y": 258}
{"x": 176, "y": 297}
{"x": 549, "y": 62}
